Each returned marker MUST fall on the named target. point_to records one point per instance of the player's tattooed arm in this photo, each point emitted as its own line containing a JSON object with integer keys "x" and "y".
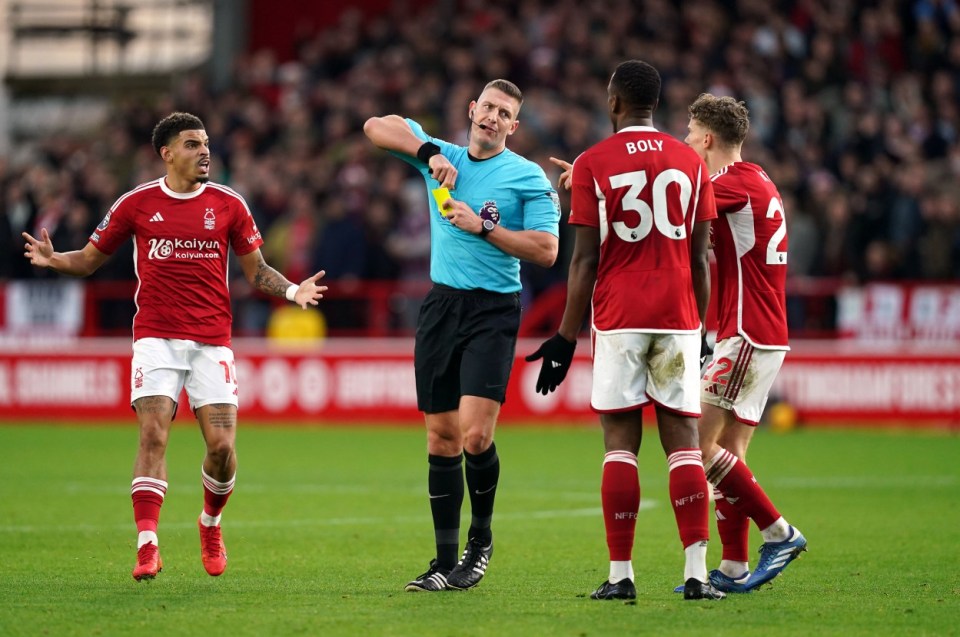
{"x": 269, "y": 280}
{"x": 262, "y": 276}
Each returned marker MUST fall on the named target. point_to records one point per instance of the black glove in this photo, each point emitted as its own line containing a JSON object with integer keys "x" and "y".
{"x": 557, "y": 354}
{"x": 705, "y": 352}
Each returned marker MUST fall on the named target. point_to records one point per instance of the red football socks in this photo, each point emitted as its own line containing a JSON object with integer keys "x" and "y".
{"x": 732, "y": 476}
{"x": 734, "y": 530}
{"x": 620, "y": 494}
{"x": 147, "y": 495}
{"x": 689, "y": 496}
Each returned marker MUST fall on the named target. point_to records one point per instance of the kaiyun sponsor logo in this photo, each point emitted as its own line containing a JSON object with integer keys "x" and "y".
{"x": 183, "y": 249}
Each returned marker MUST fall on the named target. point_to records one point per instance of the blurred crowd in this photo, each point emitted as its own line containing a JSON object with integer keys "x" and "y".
{"x": 854, "y": 109}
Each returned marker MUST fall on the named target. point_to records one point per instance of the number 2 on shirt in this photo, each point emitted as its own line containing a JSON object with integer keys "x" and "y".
{"x": 774, "y": 256}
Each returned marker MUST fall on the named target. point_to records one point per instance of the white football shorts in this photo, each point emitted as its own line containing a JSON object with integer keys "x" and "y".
{"x": 631, "y": 369}
{"x": 739, "y": 378}
{"x": 164, "y": 367}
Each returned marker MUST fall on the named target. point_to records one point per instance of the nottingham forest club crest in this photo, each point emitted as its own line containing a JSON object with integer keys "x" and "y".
{"x": 209, "y": 219}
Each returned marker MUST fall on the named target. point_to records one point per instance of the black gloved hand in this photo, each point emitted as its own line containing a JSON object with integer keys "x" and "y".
{"x": 705, "y": 352}
{"x": 557, "y": 354}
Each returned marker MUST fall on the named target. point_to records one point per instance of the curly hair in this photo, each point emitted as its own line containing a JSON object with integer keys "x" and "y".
{"x": 171, "y": 126}
{"x": 725, "y": 117}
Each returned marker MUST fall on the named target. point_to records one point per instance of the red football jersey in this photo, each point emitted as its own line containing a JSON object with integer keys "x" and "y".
{"x": 750, "y": 245}
{"x": 644, "y": 190}
{"x": 181, "y": 243}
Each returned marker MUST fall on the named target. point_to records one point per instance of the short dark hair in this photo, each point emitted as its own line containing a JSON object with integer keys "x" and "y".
{"x": 171, "y": 126}
{"x": 636, "y": 83}
{"x": 508, "y": 87}
{"x": 724, "y": 116}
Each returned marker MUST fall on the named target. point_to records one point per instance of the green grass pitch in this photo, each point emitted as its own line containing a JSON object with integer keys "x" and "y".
{"x": 327, "y": 524}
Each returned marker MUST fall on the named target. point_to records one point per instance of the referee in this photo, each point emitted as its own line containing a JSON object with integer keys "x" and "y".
{"x": 498, "y": 208}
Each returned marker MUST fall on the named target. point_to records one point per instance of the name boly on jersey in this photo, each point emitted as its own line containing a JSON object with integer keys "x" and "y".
{"x": 644, "y": 145}
{"x": 161, "y": 249}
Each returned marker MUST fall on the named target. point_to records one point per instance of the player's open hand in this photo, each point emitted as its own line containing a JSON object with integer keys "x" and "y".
{"x": 309, "y": 293}
{"x": 557, "y": 354}
{"x": 38, "y": 252}
{"x": 443, "y": 171}
{"x": 564, "y": 180}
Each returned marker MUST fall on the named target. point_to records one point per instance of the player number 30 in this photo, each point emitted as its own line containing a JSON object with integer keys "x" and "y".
{"x": 635, "y": 181}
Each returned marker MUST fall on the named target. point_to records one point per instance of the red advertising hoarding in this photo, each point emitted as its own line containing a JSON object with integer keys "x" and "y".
{"x": 365, "y": 380}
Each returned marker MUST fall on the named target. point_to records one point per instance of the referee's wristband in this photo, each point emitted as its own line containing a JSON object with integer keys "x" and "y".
{"x": 426, "y": 151}
{"x": 291, "y": 292}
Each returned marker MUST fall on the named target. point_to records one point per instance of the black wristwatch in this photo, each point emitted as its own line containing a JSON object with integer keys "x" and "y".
{"x": 487, "y": 228}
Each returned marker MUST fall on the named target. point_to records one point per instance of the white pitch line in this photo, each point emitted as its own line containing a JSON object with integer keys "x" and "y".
{"x": 831, "y": 483}
{"x": 861, "y": 482}
{"x": 798, "y": 482}
{"x": 77, "y": 488}
{"x": 344, "y": 521}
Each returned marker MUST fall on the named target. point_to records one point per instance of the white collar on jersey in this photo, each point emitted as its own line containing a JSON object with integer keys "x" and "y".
{"x": 181, "y": 195}
{"x": 638, "y": 129}
{"x": 726, "y": 168}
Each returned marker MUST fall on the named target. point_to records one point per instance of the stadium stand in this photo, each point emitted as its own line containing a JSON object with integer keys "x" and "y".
{"x": 854, "y": 109}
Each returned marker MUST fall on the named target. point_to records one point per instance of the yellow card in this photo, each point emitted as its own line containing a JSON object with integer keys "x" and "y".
{"x": 440, "y": 195}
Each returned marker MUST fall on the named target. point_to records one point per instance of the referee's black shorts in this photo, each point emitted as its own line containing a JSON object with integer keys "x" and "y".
{"x": 465, "y": 345}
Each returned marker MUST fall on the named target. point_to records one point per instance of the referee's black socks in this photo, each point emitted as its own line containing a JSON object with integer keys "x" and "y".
{"x": 483, "y": 472}
{"x": 445, "y": 485}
